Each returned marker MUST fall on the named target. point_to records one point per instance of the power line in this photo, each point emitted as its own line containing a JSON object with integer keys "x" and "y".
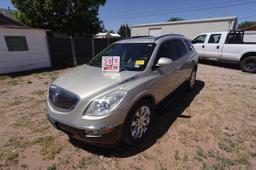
{"x": 184, "y": 11}
{"x": 247, "y": 17}
{"x": 167, "y": 9}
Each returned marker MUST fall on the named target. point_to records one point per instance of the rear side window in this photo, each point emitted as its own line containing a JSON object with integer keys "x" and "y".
{"x": 214, "y": 38}
{"x": 200, "y": 39}
{"x": 234, "y": 38}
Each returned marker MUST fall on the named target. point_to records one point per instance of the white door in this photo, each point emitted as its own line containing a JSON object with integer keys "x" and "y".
{"x": 213, "y": 47}
{"x": 199, "y": 44}
{"x": 155, "y": 32}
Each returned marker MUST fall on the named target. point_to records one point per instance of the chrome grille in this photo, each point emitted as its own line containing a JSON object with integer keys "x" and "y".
{"x": 62, "y": 99}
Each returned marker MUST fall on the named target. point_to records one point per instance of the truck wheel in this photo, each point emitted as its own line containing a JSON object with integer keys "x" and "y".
{"x": 138, "y": 122}
{"x": 248, "y": 64}
{"x": 192, "y": 80}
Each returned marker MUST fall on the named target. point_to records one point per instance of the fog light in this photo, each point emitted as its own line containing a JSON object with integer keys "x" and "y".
{"x": 98, "y": 132}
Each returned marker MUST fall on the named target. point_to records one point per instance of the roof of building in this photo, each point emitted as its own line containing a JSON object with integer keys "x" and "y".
{"x": 187, "y": 21}
{"x": 8, "y": 22}
{"x": 107, "y": 33}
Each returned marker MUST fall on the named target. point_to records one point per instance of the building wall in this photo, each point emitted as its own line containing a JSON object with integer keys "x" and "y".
{"x": 190, "y": 30}
{"x": 36, "y": 57}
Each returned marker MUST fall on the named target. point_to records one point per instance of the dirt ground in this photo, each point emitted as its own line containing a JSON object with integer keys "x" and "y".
{"x": 212, "y": 127}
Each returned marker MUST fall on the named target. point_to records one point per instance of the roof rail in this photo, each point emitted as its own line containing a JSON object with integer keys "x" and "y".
{"x": 166, "y": 35}
{"x": 136, "y": 37}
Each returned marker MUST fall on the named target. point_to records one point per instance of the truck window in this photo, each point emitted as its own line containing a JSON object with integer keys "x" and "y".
{"x": 234, "y": 38}
{"x": 214, "y": 38}
{"x": 199, "y": 39}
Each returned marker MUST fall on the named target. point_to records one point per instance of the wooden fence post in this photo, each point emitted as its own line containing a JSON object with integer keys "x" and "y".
{"x": 73, "y": 49}
{"x": 93, "y": 47}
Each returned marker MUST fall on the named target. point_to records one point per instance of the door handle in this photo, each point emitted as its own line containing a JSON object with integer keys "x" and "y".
{"x": 202, "y": 46}
{"x": 218, "y": 47}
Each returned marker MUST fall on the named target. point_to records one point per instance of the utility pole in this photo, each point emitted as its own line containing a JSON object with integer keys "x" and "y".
{"x": 126, "y": 34}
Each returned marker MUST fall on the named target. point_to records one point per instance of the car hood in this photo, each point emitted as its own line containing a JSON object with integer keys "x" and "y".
{"x": 87, "y": 80}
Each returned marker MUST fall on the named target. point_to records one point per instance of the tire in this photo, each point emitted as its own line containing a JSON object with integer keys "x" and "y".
{"x": 248, "y": 64}
{"x": 138, "y": 123}
{"x": 192, "y": 80}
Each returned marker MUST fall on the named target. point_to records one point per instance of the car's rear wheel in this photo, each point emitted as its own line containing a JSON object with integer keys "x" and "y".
{"x": 192, "y": 80}
{"x": 248, "y": 64}
{"x": 138, "y": 122}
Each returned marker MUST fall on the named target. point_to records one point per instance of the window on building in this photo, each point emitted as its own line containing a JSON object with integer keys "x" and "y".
{"x": 16, "y": 43}
{"x": 199, "y": 39}
{"x": 214, "y": 38}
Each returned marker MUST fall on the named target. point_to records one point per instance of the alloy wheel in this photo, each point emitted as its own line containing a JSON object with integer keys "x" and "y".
{"x": 140, "y": 122}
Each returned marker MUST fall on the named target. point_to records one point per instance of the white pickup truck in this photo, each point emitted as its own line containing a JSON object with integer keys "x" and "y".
{"x": 233, "y": 46}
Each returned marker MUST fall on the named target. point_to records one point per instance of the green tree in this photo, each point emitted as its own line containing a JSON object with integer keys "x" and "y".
{"x": 73, "y": 17}
{"x": 246, "y": 24}
{"x": 124, "y": 30}
{"x": 175, "y": 19}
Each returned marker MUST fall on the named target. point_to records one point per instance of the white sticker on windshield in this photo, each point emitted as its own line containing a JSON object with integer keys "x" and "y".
{"x": 110, "y": 63}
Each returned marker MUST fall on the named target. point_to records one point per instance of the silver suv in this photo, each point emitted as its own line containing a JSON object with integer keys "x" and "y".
{"x": 104, "y": 108}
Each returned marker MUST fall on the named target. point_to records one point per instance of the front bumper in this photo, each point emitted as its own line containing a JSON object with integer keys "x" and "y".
{"x": 95, "y": 136}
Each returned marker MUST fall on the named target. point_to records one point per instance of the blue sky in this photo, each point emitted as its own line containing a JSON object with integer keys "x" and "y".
{"x": 116, "y": 12}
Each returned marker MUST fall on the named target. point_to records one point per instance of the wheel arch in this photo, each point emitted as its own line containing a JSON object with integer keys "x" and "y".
{"x": 148, "y": 97}
{"x": 247, "y": 55}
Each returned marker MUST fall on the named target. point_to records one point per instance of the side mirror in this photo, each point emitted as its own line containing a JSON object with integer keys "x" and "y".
{"x": 163, "y": 61}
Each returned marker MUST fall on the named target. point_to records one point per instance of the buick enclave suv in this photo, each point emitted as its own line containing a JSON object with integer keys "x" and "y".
{"x": 103, "y": 107}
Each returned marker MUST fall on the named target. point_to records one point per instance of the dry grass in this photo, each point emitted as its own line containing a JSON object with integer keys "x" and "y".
{"x": 210, "y": 128}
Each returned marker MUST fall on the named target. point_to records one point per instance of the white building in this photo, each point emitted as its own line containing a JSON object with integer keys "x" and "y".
{"x": 21, "y": 48}
{"x": 189, "y": 28}
{"x": 107, "y": 35}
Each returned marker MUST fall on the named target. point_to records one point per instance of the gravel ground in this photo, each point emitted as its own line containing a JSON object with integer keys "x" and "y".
{"x": 212, "y": 127}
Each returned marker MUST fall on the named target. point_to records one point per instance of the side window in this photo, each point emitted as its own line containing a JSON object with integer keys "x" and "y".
{"x": 178, "y": 49}
{"x": 164, "y": 50}
{"x": 189, "y": 44}
{"x": 200, "y": 39}
{"x": 173, "y": 49}
{"x": 182, "y": 47}
{"x": 234, "y": 38}
{"x": 214, "y": 38}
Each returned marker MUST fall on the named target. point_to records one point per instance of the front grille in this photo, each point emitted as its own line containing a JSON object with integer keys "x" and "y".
{"x": 62, "y": 99}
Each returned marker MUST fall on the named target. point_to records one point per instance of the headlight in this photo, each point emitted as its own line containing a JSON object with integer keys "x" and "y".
{"x": 105, "y": 104}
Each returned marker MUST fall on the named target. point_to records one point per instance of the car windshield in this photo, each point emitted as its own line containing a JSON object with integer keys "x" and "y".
{"x": 133, "y": 56}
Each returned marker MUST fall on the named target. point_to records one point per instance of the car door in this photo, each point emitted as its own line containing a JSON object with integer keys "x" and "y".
{"x": 199, "y": 44}
{"x": 213, "y": 46}
{"x": 168, "y": 78}
{"x": 179, "y": 56}
{"x": 189, "y": 56}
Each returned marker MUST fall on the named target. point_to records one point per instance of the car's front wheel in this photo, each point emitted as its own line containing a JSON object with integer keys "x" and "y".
{"x": 138, "y": 122}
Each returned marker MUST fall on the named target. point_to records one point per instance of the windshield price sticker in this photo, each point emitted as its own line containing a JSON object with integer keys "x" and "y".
{"x": 111, "y": 63}
{"x": 139, "y": 62}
